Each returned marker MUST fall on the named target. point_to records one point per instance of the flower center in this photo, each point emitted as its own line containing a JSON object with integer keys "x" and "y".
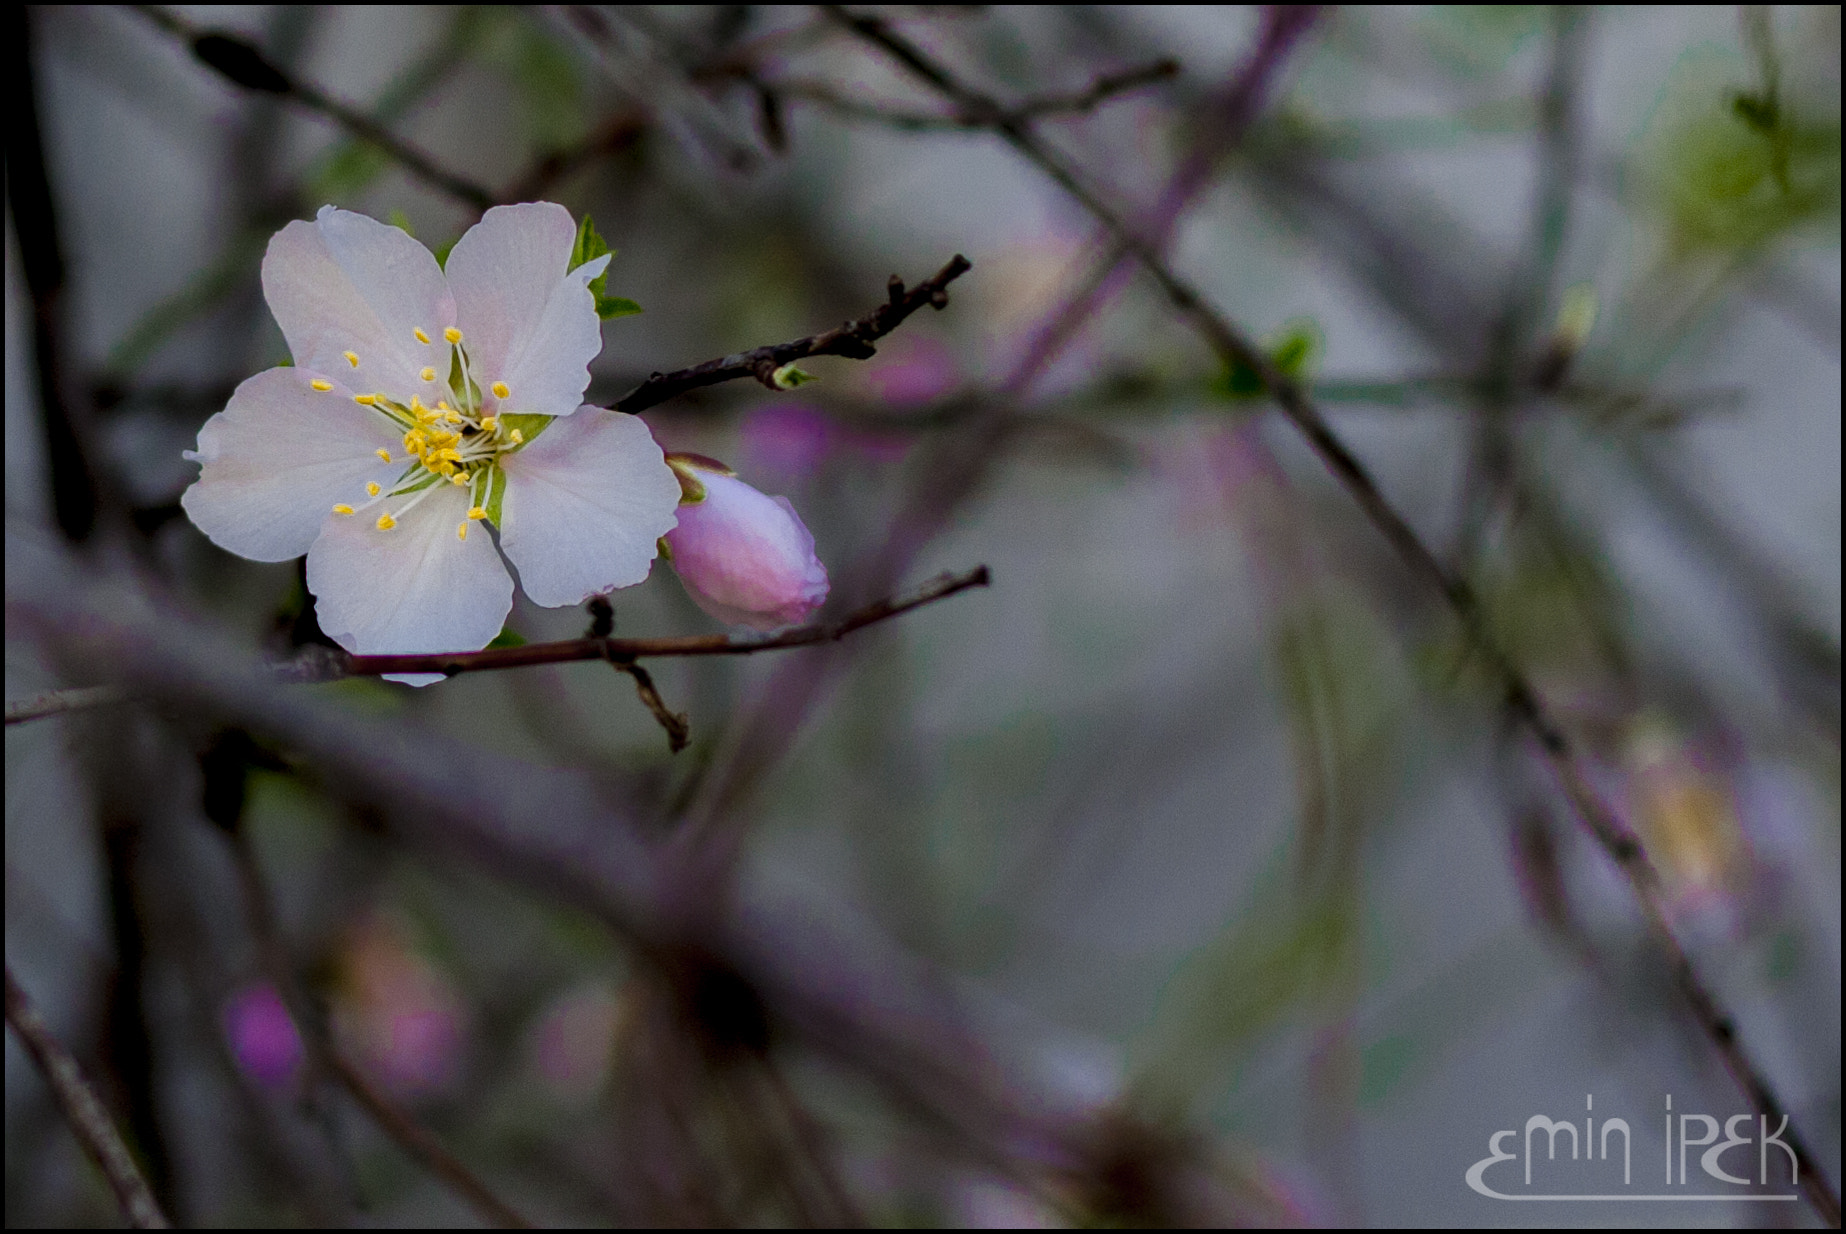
{"x": 456, "y": 442}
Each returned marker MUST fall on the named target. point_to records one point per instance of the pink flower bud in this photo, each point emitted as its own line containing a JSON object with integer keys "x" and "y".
{"x": 745, "y": 557}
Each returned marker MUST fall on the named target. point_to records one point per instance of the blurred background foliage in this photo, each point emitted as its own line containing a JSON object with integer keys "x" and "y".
{"x": 1207, "y": 819}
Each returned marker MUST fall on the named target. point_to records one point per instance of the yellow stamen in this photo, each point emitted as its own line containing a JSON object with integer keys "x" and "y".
{"x": 352, "y": 358}
{"x": 500, "y": 389}
{"x": 516, "y": 436}
{"x": 442, "y": 404}
{"x": 452, "y": 334}
{"x": 458, "y": 478}
{"x": 428, "y": 374}
{"x": 320, "y": 385}
{"x": 367, "y": 399}
{"x": 383, "y": 454}
{"x": 421, "y": 338}
{"x": 461, "y": 531}
{"x": 386, "y": 522}
{"x": 452, "y": 417}
{"x": 371, "y": 489}
{"x": 477, "y": 513}
{"x": 342, "y": 508}
{"x": 490, "y": 423}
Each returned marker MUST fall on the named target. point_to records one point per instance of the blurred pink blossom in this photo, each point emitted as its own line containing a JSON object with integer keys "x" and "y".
{"x": 397, "y": 1013}
{"x": 573, "y": 1041}
{"x": 262, "y": 1035}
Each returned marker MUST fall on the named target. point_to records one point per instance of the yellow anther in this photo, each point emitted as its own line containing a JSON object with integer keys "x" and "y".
{"x": 342, "y": 508}
{"x": 320, "y": 385}
{"x": 352, "y": 358}
{"x": 461, "y": 531}
{"x": 452, "y": 334}
{"x": 371, "y": 489}
{"x": 421, "y": 337}
{"x": 516, "y": 436}
{"x": 452, "y": 417}
{"x": 428, "y": 374}
{"x": 490, "y": 423}
{"x": 442, "y": 404}
{"x": 367, "y": 399}
{"x": 386, "y": 522}
{"x": 477, "y": 512}
{"x": 446, "y": 454}
{"x": 383, "y": 454}
{"x": 458, "y": 478}
{"x": 500, "y": 389}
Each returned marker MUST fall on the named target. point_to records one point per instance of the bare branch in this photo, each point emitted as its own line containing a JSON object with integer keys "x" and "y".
{"x": 852, "y": 339}
{"x": 56, "y": 702}
{"x": 1522, "y": 700}
{"x": 678, "y": 728}
{"x": 81, "y": 1108}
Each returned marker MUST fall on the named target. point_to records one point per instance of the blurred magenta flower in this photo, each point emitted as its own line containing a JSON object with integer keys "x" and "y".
{"x": 745, "y": 557}
{"x": 398, "y": 1015}
{"x": 262, "y": 1035}
{"x": 572, "y": 1043}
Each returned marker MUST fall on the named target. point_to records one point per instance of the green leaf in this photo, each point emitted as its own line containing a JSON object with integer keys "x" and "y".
{"x": 1293, "y": 351}
{"x": 788, "y": 377}
{"x": 401, "y": 221}
{"x": 442, "y": 252}
{"x": 589, "y": 247}
{"x": 508, "y": 637}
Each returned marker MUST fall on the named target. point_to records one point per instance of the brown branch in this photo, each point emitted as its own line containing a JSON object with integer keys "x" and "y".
{"x": 852, "y": 339}
{"x": 325, "y": 1058}
{"x": 1107, "y": 87}
{"x": 334, "y": 666}
{"x": 1522, "y": 700}
{"x": 243, "y": 64}
{"x": 318, "y": 664}
{"x": 82, "y": 1109}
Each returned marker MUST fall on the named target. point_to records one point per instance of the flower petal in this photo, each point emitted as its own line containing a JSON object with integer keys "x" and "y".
{"x": 279, "y": 457}
{"x": 526, "y": 319}
{"x": 415, "y": 588}
{"x": 585, "y": 506}
{"x": 349, "y": 284}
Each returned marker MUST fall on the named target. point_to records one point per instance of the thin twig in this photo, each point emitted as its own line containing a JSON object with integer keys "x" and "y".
{"x": 630, "y": 649}
{"x": 243, "y": 64}
{"x": 678, "y": 727}
{"x": 1522, "y": 700}
{"x": 82, "y": 1109}
{"x": 852, "y": 339}
{"x": 324, "y": 1056}
{"x": 319, "y": 664}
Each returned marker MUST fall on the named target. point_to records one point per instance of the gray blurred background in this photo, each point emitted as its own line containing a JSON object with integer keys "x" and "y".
{"x": 1204, "y": 814}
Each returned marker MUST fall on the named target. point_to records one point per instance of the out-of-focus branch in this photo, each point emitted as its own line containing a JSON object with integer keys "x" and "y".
{"x": 243, "y": 64}
{"x": 1110, "y": 86}
{"x": 76, "y": 491}
{"x": 852, "y": 339}
{"x": 81, "y": 1108}
{"x": 56, "y": 702}
{"x": 1522, "y": 700}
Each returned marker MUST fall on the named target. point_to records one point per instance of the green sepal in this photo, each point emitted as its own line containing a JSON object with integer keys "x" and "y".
{"x": 508, "y": 637}
{"x": 489, "y": 491}
{"x": 1292, "y": 351}
{"x": 589, "y": 247}
{"x": 529, "y": 425}
{"x": 401, "y": 221}
{"x": 443, "y": 250}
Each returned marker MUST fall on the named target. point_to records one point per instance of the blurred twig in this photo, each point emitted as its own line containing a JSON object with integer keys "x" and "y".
{"x": 78, "y": 1102}
{"x": 243, "y": 64}
{"x": 852, "y": 339}
{"x": 1109, "y": 86}
{"x": 1522, "y": 700}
